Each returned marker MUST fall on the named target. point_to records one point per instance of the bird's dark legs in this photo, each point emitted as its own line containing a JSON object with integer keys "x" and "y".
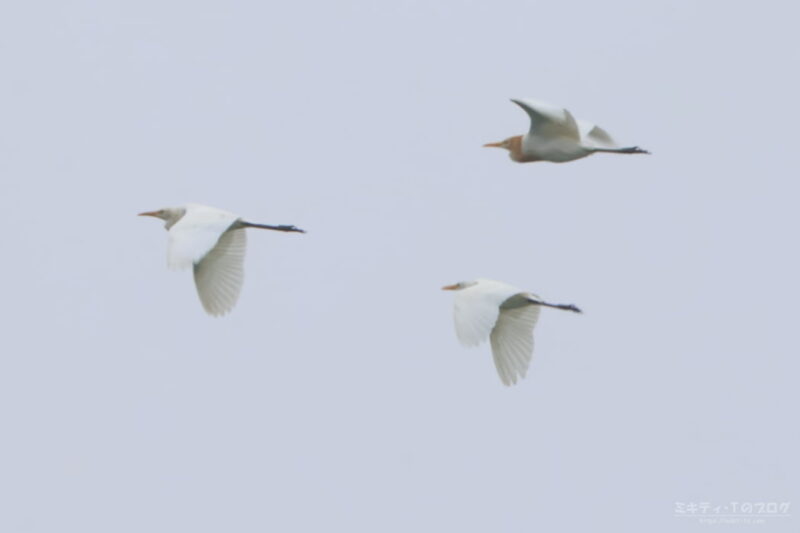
{"x": 628, "y": 150}
{"x": 565, "y": 307}
{"x": 244, "y": 224}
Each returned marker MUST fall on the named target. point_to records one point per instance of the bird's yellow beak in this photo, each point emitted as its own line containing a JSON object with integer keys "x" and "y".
{"x": 493, "y": 145}
{"x": 149, "y": 214}
{"x": 450, "y": 287}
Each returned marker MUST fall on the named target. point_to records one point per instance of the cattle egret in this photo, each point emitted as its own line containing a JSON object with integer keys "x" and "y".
{"x": 506, "y": 315}
{"x": 556, "y": 136}
{"x": 213, "y": 242}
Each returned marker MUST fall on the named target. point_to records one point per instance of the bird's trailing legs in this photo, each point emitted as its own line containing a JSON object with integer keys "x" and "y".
{"x": 243, "y": 224}
{"x": 565, "y": 307}
{"x": 628, "y": 150}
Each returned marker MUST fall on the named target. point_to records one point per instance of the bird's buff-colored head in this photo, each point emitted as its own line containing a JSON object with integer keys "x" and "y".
{"x": 514, "y": 147}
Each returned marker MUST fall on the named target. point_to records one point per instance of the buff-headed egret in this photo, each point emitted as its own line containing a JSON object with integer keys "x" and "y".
{"x": 556, "y": 136}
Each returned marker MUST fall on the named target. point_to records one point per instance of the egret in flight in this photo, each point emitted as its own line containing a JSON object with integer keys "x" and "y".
{"x": 213, "y": 242}
{"x": 485, "y": 308}
{"x": 556, "y": 136}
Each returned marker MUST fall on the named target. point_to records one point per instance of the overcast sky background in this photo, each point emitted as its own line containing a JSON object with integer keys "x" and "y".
{"x": 335, "y": 397}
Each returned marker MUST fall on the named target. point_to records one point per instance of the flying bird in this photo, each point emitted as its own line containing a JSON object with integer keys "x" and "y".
{"x": 213, "y": 243}
{"x": 556, "y": 136}
{"x": 506, "y": 315}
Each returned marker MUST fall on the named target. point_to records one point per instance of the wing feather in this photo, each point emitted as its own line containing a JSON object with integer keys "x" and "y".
{"x": 196, "y": 234}
{"x": 476, "y": 308}
{"x": 220, "y": 274}
{"x": 595, "y": 136}
{"x": 474, "y": 318}
{"x": 512, "y": 341}
{"x": 548, "y": 121}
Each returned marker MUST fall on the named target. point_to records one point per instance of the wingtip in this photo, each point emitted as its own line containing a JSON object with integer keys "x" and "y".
{"x": 215, "y": 312}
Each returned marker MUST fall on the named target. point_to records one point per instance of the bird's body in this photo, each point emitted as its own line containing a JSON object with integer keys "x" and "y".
{"x": 505, "y": 315}
{"x": 213, "y": 242}
{"x": 557, "y": 137}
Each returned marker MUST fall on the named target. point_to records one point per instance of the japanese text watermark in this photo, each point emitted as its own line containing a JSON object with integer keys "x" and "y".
{"x": 733, "y": 512}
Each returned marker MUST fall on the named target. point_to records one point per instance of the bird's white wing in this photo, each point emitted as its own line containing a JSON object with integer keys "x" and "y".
{"x": 475, "y": 310}
{"x": 474, "y": 318}
{"x": 595, "y": 136}
{"x": 512, "y": 339}
{"x": 220, "y": 274}
{"x": 548, "y": 121}
{"x": 195, "y": 234}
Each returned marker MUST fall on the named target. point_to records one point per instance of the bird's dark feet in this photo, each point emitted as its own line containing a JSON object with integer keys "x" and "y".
{"x": 634, "y": 150}
{"x": 290, "y": 228}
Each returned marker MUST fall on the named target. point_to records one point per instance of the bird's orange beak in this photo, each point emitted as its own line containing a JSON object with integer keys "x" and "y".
{"x": 149, "y": 214}
{"x": 450, "y": 287}
{"x": 493, "y": 145}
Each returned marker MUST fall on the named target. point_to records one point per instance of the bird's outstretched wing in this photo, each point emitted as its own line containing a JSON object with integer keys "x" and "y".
{"x": 220, "y": 274}
{"x": 512, "y": 341}
{"x": 595, "y": 136}
{"x": 475, "y": 316}
{"x": 196, "y": 234}
{"x": 548, "y": 121}
{"x": 476, "y": 309}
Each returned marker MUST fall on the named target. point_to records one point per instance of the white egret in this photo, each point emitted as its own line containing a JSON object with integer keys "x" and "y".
{"x": 213, "y": 242}
{"x": 485, "y": 308}
{"x": 556, "y": 136}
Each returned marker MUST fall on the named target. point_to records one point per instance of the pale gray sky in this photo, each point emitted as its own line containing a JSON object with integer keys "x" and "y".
{"x": 335, "y": 397}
